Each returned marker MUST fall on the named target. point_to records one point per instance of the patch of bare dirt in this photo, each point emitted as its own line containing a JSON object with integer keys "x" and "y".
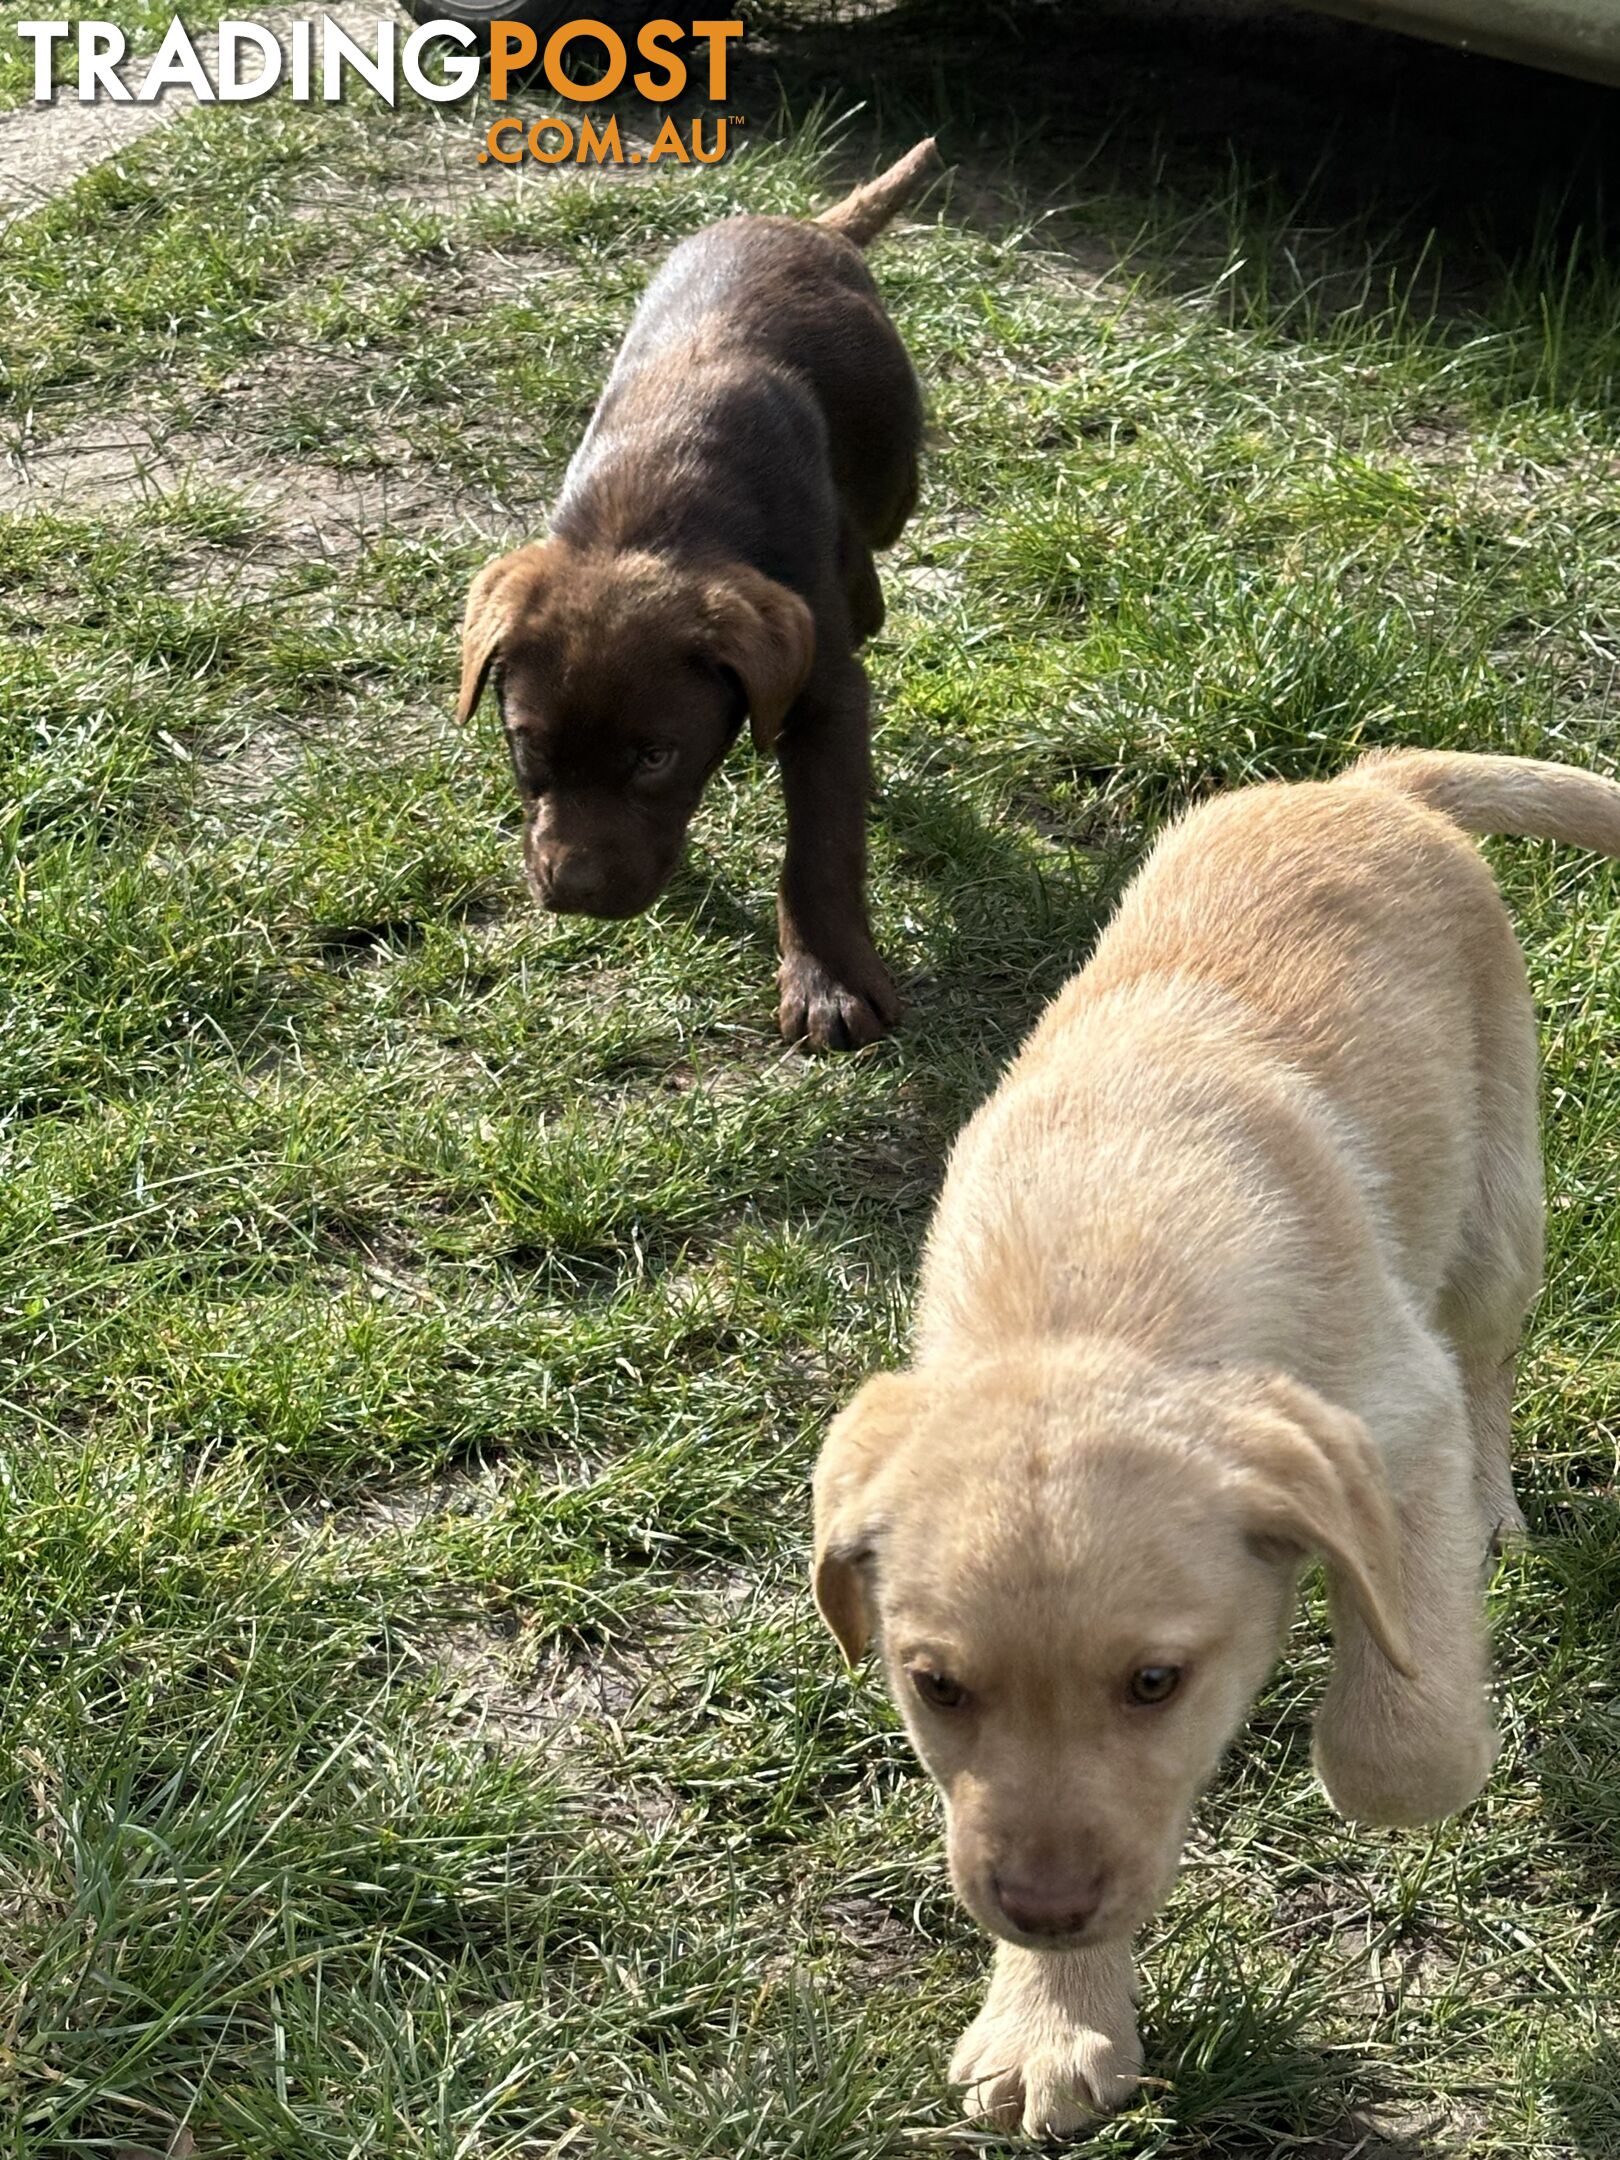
{"x": 400, "y": 1513}
{"x": 565, "y": 1690}
{"x": 45, "y": 148}
{"x": 249, "y": 768}
{"x": 131, "y": 457}
{"x": 138, "y": 455}
{"x": 885, "y": 1944}
{"x": 572, "y": 1707}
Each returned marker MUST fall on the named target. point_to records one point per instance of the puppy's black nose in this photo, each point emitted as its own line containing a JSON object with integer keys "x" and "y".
{"x": 578, "y": 883}
{"x": 1049, "y": 1904}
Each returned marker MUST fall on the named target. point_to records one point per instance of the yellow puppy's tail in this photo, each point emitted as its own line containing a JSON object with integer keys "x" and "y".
{"x": 1524, "y": 798}
{"x": 862, "y": 216}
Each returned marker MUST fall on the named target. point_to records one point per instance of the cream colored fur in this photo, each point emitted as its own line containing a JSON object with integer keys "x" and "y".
{"x": 1229, "y": 1272}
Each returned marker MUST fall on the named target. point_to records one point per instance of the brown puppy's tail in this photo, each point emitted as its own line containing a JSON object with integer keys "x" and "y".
{"x": 1525, "y": 798}
{"x": 862, "y": 216}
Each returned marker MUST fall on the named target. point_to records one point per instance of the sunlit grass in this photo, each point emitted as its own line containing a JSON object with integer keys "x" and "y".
{"x": 417, "y": 1318}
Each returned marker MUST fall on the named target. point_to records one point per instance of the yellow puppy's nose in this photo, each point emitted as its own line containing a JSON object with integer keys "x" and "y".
{"x": 1049, "y": 1904}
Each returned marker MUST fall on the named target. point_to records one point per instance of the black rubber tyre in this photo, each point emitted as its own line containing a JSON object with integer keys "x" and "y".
{"x": 541, "y": 16}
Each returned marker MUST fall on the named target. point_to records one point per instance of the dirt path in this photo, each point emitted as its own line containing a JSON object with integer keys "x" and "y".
{"x": 45, "y": 148}
{"x": 130, "y": 453}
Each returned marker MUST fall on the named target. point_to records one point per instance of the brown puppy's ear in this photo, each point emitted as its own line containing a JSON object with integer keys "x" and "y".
{"x": 494, "y": 600}
{"x": 846, "y": 1521}
{"x": 768, "y": 636}
{"x": 1315, "y": 1483}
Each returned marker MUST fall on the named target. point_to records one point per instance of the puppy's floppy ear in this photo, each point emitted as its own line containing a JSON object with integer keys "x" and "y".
{"x": 496, "y": 597}
{"x": 847, "y": 1515}
{"x": 1314, "y": 1482}
{"x": 767, "y": 636}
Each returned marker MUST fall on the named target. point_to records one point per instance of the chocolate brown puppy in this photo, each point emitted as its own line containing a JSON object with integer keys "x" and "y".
{"x": 710, "y": 561}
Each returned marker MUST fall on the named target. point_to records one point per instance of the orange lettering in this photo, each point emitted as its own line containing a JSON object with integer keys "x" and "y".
{"x": 652, "y": 42}
{"x": 537, "y": 140}
{"x": 603, "y": 148}
{"x": 558, "y": 43}
{"x": 512, "y": 46}
{"x": 709, "y": 157}
{"x": 719, "y": 35}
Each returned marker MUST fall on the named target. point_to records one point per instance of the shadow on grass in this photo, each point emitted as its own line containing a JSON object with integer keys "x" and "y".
{"x": 1013, "y": 914}
{"x": 1587, "y": 2090}
{"x": 1163, "y": 98}
{"x": 1295, "y": 170}
{"x": 1577, "y": 1760}
{"x": 1244, "y": 2080}
{"x": 1291, "y": 168}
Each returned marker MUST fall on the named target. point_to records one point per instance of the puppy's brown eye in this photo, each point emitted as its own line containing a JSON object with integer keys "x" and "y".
{"x": 1154, "y": 1683}
{"x": 938, "y": 1690}
{"x": 656, "y": 760}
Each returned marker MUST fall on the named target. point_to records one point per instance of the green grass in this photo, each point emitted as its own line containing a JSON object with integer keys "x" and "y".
{"x": 417, "y": 1318}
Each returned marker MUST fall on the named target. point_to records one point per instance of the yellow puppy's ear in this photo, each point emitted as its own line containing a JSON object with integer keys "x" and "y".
{"x": 848, "y": 1519}
{"x": 1316, "y": 1483}
{"x": 495, "y": 599}
{"x": 767, "y": 637}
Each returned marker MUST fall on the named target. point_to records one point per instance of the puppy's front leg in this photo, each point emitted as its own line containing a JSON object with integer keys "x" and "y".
{"x": 1056, "y": 2041}
{"x": 836, "y": 992}
{"x": 1399, "y": 1750}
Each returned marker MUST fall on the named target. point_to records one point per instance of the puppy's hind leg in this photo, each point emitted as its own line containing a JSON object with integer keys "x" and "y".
{"x": 1483, "y": 1313}
{"x": 1488, "y": 1383}
{"x": 1496, "y": 1274}
{"x": 1401, "y": 1748}
{"x": 861, "y": 587}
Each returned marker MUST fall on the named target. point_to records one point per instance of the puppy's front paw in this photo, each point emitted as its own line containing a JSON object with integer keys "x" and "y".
{"x": 1047, "y": 2066}
{"x": 841, "y": 1009}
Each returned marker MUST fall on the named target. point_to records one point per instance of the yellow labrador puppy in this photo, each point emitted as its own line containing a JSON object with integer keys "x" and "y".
{"x": 1228, "y": 1272}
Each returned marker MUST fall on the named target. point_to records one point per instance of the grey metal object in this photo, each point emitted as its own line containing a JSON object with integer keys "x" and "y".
{"x": 1575, "y": 37}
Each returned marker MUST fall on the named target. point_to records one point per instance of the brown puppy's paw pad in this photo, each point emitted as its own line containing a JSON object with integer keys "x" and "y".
{"x": 1047, "y": 2079}
{"x": 835, "y": 1010}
